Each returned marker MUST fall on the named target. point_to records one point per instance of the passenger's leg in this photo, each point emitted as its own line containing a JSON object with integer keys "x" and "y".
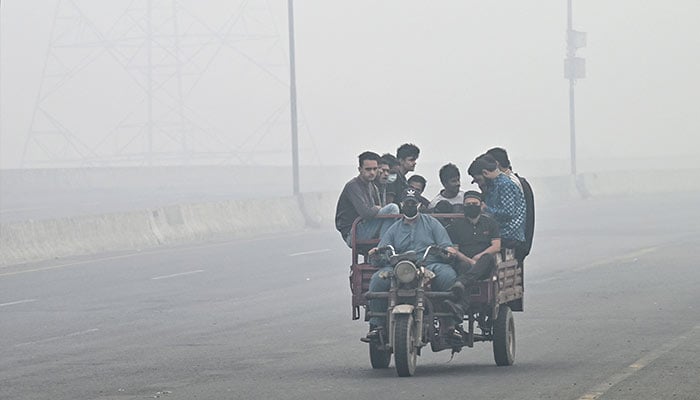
{"x": 481, "y": 270}
{"x": 445, "y": 277}
{"x": 388, "y": 209}
{"x": 377, "y": 284}
{"x": 373, "y": 228}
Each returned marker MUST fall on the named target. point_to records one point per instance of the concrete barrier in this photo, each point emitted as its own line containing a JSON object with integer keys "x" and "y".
{"x": 39, "y": 240}
{"x": 626, "y": 183}
{"x": 28, "y": 241}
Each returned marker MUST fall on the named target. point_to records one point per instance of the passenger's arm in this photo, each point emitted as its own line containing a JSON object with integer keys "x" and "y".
{"x": 358, "y": 200}
{"x": 493, "y": 249}
{"x": 462, "y": 257}
{"x": 504, "y": 210}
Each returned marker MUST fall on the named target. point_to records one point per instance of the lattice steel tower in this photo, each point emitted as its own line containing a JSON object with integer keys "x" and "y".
{"x": 157, "y": 52}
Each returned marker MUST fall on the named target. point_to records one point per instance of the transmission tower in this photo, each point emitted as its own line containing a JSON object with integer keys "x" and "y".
{"x": 161, "y": 50}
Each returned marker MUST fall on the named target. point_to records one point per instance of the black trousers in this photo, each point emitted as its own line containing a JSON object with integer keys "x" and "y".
{"x": 467, "y": 274}
{"x": 519, "y": 247}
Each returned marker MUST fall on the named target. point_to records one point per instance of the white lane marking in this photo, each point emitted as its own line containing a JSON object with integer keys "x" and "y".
{"x": 147, "y": 252}
{"x": 623, "y": 258}
{"x": 17, "y": 302}
{"x": 180, "y": 274}
{"x": 632, "y": 256}
{"x": 303, "y": 253}
{"x": 9, "y": 210}
{"x": 631, "y": 369}
{"x": 53, "y": 339}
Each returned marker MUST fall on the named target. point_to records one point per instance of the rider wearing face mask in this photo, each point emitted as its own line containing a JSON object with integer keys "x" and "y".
{"x": 415, "y": 231}
{"x": 478, "y": 240}
{"x": 390, "y": 186}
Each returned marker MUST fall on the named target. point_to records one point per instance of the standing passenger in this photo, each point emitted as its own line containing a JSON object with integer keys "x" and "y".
{"x": 504, "y": 201}
{"x": 504, "y": 165}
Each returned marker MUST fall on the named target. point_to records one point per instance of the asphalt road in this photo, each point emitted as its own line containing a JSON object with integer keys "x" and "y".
{"x": 611, "y": 312}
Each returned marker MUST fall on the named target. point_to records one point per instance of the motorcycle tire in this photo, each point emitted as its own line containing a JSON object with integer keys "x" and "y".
{"x": 405, "y": 353}
{"x": 379, "y": 358}
{"x": 504, "y": 337}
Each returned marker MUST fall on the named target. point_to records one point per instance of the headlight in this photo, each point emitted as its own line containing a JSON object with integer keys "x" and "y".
{"x": 405, "y": 272}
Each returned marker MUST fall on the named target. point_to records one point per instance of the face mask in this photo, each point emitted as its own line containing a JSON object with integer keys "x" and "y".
{"x": 410, "y": 210}
{"x": 391, "y": 178}
{"x": 472, "y": 210}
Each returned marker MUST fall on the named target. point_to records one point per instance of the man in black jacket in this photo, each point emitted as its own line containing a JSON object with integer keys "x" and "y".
{"x": 407, "y": 155}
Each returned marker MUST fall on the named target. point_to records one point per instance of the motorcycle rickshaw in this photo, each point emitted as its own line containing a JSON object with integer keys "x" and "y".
{"x": 414, "y": 316}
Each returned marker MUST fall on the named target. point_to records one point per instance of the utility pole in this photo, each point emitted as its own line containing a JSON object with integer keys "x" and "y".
{"x": 149, "y": 82}
{"x": 293, "y": 100}
{"x": 574, "y": 68}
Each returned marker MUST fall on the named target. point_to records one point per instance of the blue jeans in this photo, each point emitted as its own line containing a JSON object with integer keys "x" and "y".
{"x": 375, "y": 227}
{"x": 445, "y": 277}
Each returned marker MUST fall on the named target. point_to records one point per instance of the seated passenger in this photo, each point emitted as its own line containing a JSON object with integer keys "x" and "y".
{"x": 478, "y": 240}
{"x": 407, "y": 156}
{"x": 382, "y": 179}
{"x": 443, "y": 207}
{"x": 450, "y": 179}
{"x": 390, "y": 189}
{"x": 360, "y": 198}
{"x": 418, "y": 182}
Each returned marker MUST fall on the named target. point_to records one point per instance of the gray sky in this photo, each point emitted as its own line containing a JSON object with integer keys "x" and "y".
{"x": 454, "y": 77}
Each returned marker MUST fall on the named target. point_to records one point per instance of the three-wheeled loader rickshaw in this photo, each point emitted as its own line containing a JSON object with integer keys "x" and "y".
{"x": 415, "y": 317}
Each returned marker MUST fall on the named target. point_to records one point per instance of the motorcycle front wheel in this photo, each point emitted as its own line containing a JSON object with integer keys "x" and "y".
{"x": 405, "y": 352}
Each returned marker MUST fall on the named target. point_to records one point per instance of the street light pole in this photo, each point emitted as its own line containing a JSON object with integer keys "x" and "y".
{"x": 570, "y": 53}
{"x": 293, "y": 100}
{"x": 574, "y": 68}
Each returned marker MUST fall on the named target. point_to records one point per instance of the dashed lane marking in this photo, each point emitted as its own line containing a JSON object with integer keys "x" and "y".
{"x": 304, "y": 253}
{"x": 12, "y": 303}
{"x": 179, "y": 274}
{"x": 53, "y": 339}
{"x": 632, "y": 256}
{"x": 599, "y": 390}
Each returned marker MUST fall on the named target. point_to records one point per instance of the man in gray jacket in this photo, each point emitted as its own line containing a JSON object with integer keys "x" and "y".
{"x": 360, "y": 198}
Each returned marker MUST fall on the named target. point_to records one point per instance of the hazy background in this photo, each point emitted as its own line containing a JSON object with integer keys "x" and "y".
{"x": 454, "y": 77}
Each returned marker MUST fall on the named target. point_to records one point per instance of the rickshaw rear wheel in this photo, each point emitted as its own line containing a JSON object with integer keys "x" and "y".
{"x": 379, "y": 358}
{"x": 504, "y": 337}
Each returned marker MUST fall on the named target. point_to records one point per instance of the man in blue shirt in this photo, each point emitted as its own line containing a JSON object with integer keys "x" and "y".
{"x": 417, "y": 232}
{"x": 501, "y": 156}
{"x": 504, "y": 200}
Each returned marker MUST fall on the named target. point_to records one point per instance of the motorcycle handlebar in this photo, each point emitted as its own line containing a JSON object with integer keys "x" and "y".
{"x": 384, "y": 249}
{"x": 437, "y": 250}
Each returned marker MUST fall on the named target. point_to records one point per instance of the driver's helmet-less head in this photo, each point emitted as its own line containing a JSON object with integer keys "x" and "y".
{"x": 409, "y": 203}
{"x": 410, "y": 194}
